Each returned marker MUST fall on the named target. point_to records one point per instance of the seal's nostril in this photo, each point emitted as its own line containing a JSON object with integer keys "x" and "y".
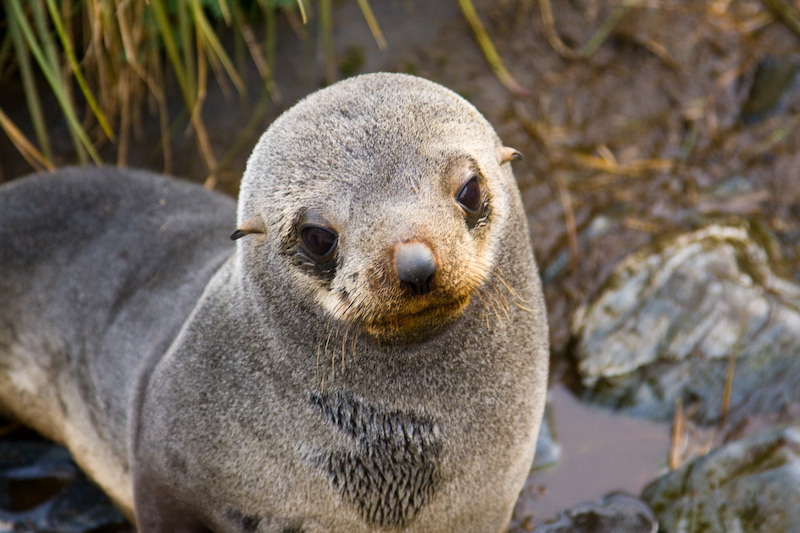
{"x": 415, "y": 265}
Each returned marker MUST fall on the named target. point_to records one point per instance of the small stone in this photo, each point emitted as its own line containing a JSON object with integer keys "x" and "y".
{"x": 773, "y": 82}
{"x": 615, "y": 513}
{"x": 548, "y": 451}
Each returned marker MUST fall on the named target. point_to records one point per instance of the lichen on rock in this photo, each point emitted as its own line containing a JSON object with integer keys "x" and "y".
{"x": 670, "y": 320}
{"x": 749, "y": 485}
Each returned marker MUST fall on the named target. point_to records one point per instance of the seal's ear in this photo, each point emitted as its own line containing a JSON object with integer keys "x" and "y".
{"x": 506, "y": 154}
{"x": 253, "y": 225}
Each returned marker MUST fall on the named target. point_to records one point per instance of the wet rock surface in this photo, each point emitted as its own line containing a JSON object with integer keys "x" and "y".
{"x": 43, "y": 490}
{"x": 773, "y": 82}
{"x": 615, "y": 513}
{"x": 752, "y": 485}
{"x": 679, "y": 320}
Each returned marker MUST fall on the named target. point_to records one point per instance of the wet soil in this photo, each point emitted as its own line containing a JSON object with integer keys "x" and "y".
{"x": 660, "y": 129}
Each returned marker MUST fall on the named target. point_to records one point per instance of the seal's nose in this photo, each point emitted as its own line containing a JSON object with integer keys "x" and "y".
{"x": 415, "y": 265}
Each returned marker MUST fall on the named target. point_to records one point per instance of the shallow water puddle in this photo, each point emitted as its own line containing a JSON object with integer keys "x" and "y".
{"x": 601, "y": 452}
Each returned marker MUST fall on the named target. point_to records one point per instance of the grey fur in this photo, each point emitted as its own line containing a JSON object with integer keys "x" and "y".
{"x": 212, "y": 386}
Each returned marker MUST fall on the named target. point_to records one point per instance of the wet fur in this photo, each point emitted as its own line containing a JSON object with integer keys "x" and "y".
{"x": 213, "y": 386}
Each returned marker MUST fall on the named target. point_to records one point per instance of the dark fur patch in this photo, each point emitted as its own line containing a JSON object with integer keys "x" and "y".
{"x": 248, "y": 523}
{"x": 393, "y": 470}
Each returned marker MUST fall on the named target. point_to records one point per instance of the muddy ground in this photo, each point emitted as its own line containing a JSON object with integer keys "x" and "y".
{"x": 684, "y": 112}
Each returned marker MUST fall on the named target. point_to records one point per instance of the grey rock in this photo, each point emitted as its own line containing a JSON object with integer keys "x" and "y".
{"x": 670, "y": 319}
{"x": 615, "y": 513}
{"x": 752, "y": 485}
{"x": 548, "y": 450}
{"x": 78, "y": 506}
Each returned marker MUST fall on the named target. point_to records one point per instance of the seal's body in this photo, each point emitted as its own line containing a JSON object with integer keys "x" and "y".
{"x": 371, "y": 355}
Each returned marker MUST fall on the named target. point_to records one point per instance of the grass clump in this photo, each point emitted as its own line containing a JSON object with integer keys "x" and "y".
{"x": 108, "y": 63}
{"x": 113, "y": 58}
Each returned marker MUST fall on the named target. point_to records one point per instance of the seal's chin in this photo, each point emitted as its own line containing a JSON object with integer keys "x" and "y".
{"x": 415, "y": 325}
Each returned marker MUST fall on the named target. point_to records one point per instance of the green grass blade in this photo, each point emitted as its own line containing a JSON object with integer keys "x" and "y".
{"x": 43, "y": 30}
{"x": 326, "y": 38}
{"x": 608, "y": 26}
{"x": 260, "y": 60}
{"x": 172, "y": 50}
{"x": 245, "y": 136}
{"x": 156, "y": 70}
{"x": 272, "y": 36}
{"x": 489, "y": 51}
{"x": 372, "y": 22}
{"x": 785, "y": 12}
{"x": 53, "y": 58}
{"x": 225, "y": 10}
{"x": 23, "y": 145}
{"x": 210, "y": 38}
{"x": 5, "y": 52}
{"x": 29, "y": 84}
{"x": 268, "y": 9}
{"x": 84, "y": 145}
{"x": 187, "y": 42}
{"x": 76, "y": 70}
{"x": 77, "y": 133}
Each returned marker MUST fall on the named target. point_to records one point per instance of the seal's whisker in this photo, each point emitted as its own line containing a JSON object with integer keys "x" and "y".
{"x": 499, "y": 275}
{"x": 495, "y": 304}
{"x": 352, "y": 313}
{"x": 328, "y": 339}
{"x": 500, "y": 308}
{"x": 527, "y": 309}
{"x": 517, "y": 300}
{"x": 492, "y": 301}
{"x": 504, "y": 303}
{"x": 316, "y": 372}
{"x": 331, "y": 341}
{"x": 331, "y": 318}
{"x": 322, "y": 348}
{"x": 369, "y": 312}
{"x": 485, "y": 309}
{"x": 341, "y": 309}
{"x": 344, "y": 345}
{"x": 354, "y": 304}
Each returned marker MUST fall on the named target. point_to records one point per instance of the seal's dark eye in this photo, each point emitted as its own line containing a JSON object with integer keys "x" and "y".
{"x": 319, "y": 241}
{"x": 469, "y": 196}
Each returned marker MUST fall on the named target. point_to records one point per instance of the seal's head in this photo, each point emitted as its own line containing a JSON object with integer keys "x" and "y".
{"x": 382, "y": 199}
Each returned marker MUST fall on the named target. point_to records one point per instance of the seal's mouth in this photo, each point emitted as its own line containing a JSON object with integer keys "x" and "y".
{"x": 406, "y": 324}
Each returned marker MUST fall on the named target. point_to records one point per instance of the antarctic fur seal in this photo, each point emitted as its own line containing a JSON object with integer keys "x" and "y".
{"x": 370, "y": 355}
